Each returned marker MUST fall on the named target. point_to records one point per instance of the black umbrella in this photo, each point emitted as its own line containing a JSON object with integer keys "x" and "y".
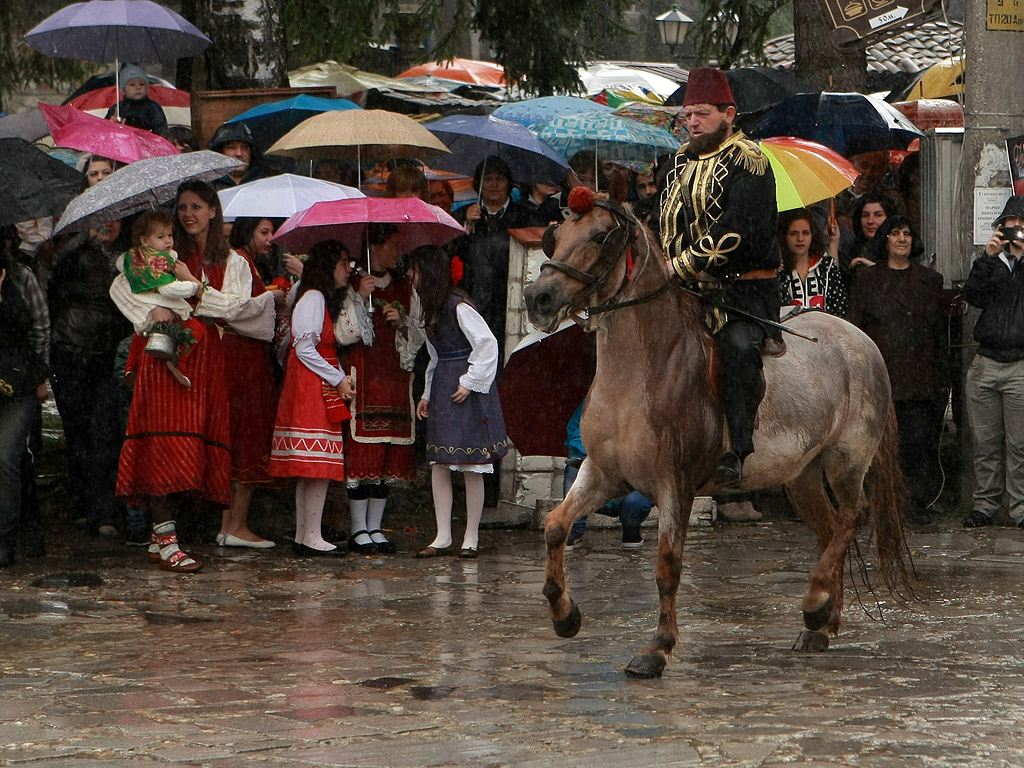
{"x": 754, "y": 88}
{"x": 36, "y": 185}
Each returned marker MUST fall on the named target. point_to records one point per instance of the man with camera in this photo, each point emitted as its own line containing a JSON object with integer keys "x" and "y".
{"x": 995, "y": 380}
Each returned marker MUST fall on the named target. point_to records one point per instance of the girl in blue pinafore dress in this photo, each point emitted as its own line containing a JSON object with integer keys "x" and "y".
{"x": 466, "y": 429}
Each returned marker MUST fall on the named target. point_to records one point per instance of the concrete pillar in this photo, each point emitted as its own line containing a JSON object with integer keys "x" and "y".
{"x": 993, "y": 112}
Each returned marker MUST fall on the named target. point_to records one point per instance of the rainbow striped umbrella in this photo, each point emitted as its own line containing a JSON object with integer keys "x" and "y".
{"x": 806, "y": 172}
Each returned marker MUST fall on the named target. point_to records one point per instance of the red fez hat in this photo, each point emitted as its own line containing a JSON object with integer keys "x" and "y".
{"x": 707, "y": 85}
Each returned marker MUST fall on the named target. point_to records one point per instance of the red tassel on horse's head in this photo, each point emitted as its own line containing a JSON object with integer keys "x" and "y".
{"x": 581, "y": 200}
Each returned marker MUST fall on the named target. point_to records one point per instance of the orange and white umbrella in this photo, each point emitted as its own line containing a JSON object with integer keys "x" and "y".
{"x": 464, "y": 70}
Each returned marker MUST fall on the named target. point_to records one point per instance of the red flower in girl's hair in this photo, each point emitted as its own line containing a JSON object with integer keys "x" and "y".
{"x": 581, "y": 200}
{"x": 456, "y": 269}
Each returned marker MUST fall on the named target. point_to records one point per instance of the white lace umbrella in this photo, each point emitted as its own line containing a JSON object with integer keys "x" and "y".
{"x": 141, "y": 186}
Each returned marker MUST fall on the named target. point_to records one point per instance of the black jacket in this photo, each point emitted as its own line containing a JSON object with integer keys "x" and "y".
{"x": 999, "y": 294}
{"x": 719, "y": 212}
{"x": 146, "y": 113}
{"x": 83, "y": 317}
{"x": 904, "y": 313}
{"x": 484, "y": 254}
{"x": 227, "y": 133}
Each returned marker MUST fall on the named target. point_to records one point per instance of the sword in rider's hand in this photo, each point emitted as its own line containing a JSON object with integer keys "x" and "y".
{"x": 749, "y": 315}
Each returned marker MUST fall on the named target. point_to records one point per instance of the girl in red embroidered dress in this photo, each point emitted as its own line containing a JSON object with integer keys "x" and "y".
{"x": 308, "y": 442}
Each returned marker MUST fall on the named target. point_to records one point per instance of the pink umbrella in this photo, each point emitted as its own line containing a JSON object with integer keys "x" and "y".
{"x": 75, "y": 129}
{"x": 418, "y": 223}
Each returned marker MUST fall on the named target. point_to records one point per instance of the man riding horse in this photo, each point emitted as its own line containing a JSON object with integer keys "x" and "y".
{"x": 718, "y": 220}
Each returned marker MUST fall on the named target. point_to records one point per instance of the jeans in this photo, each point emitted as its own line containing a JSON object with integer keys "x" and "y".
{"x": 631, "y": 510}
{"x": 16, "y": 414}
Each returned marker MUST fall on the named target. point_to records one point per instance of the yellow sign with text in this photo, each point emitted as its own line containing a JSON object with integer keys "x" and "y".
{"x": 1005, "y": 16}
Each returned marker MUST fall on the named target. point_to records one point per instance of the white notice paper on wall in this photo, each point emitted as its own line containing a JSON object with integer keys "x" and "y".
{"x": 988, "y": 204}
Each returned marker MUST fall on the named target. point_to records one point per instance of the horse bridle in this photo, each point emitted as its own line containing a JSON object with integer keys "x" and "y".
{"x": 606, "y": 262}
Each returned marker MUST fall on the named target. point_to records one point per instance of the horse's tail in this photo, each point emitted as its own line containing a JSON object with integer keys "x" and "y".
{"x": 888, "y": 502}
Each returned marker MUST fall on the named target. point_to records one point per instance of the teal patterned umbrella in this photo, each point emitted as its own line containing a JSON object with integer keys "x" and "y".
{"x": 611, "y": 137}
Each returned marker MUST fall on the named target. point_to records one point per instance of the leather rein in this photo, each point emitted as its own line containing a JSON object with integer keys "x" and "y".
{"x": 606, "y": 262}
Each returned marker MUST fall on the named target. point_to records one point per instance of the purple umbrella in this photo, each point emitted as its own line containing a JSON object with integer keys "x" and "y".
{"x": 118, "y": 30}
{"x": 471, "y": 138}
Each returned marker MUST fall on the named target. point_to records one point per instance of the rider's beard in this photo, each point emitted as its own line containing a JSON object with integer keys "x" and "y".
{"x": 709, "y": 142}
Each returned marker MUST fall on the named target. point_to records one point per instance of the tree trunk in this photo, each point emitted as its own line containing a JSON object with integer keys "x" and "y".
{"x": 820, "y": 64}
{"x": 248, "y": 48}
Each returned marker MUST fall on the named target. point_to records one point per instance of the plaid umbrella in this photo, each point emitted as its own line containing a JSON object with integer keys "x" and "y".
{"x": 667, "y": 118}
{"x": 611, "y": 137}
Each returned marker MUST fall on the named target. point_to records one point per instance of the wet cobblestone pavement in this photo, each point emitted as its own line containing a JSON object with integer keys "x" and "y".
{"x": 266, "y": 660}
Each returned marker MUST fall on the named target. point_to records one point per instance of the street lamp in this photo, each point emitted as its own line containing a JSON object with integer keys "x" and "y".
{"x": 672, "y": 28}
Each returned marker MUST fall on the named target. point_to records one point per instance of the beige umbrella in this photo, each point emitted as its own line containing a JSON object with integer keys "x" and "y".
{"x": 370, "y": 135}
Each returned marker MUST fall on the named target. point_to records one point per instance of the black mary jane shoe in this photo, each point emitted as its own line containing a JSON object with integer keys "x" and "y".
{"x": 362, "y": 549}
{"x": 384, "y": 547}
{"x": 301, "y": 550}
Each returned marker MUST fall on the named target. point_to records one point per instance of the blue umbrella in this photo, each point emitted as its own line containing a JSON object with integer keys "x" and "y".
{"x": 611, "y": 137}
{"x": 849, "y": 123}
{"x": 534, "y": 112}
{"x": 471, "y": 138}
{"x": 269, "y": 122}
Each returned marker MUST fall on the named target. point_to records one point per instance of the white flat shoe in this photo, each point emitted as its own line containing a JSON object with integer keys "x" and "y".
{"x": 227, "y": 540}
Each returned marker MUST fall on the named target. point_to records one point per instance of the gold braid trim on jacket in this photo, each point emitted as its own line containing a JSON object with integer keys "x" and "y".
{"x": 705, "y": 253}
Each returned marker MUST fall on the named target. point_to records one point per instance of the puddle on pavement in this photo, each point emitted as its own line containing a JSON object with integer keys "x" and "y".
{"x": 431, "y": 692}
{"x": 176, "y": 618}
{"x": 386, "y": 683}
{"x": 68, "y": 579}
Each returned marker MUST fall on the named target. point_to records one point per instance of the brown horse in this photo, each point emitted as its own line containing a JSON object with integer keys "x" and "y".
{"x": 652, "y": 422}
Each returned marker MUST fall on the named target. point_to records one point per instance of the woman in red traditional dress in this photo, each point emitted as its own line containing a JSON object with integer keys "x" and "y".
{"x": 308, "y": 439}
{"x": 252, "y": 395}
{"x": 178, "y": 433}
{"x": 379, "y": 449}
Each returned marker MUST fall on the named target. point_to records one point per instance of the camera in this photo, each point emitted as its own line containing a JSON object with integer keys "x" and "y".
{"x": 1012, "y": 234}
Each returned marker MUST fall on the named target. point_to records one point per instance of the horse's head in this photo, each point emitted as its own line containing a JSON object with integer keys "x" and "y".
{"x": 586, "y": 264}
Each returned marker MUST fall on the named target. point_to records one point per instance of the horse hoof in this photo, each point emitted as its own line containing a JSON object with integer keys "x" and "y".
{"x": 819, "y": 617}
{"x": 570, "y": 625}
{"x": 646, "y": 665}
{"x": 811, "y": 641}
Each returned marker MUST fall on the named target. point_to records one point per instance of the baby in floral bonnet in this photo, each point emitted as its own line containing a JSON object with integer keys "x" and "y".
{"x": 149, "y": 265}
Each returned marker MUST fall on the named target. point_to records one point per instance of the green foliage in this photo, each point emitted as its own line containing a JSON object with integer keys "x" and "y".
{"x": 20, "y": 64}
{"x": 757, "y": 23}
{"x": 318, "y": 30}
{"x": 540, "y": 43}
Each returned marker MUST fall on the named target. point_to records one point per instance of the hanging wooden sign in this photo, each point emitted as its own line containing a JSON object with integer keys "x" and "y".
{"x": 858, "y": 21}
